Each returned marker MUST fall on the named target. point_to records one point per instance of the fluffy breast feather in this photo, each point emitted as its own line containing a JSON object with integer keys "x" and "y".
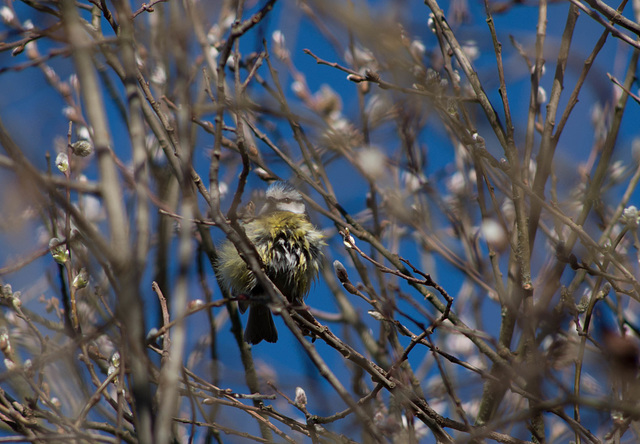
{"x": 289, "y": 246}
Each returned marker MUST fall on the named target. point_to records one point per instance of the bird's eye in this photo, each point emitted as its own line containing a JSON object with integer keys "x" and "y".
{"x": 286, "y": 200}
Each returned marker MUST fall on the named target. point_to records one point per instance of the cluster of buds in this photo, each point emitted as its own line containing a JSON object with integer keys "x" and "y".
{"x": 9, "y": 297}
{"x": 7, "y": 349}
{"x": 61, "y": 255}
{"x": 114, "y": 366}
{"x": 80, "y": 148}
{"x": 631, "y": 217}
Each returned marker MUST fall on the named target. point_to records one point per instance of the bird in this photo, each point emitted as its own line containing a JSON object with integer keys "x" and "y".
{"x": 290, "y": 247}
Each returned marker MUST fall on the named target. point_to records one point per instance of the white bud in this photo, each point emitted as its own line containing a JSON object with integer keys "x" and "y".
{"x": 263, "y": 174}
{"x": 115, "y": 359}
{"x": 413, "y": 182}
{"x": 152, "y": 333}
{"x": 494, "y": 234}
{"x": 348, "y": 240}
{"x": 223, "y": 189}
{"x": 278, "y": 37}
{"x": 631, "y": 217}
{"x": 213, "y": 36}
{"x": 83, "y": 133}
{"x": 417, "y": 49}
{"x": 213, "y": 53}
{"x": 159, "y": 76}
{"x": 361, "y": 56}
{"x": 227, "y": 20}
{"x": 301, "y": 397}
{"x": 542, "y": 95}
{"x": 279, "y": 48}
{"x": 372, "y": 161}
{"x": 7, "y": 14}
{"x": 471, "y": 49}
{"x": 299, "y": 89}
{"x": 69, "y": 112}
{"x": 32, "y": 50}
{"x": 478, "y": 139}
{"x": 456, "y": 183}
{"x": 62, "y": 162}
{"x": 617, "y": 171}
{"x": 93, "y": 209}
{"x": 543, "y": 69}
{"x": 340, "y": 125}
{"x": 431, "y": 23}
{"x": 327, "y": 101}
{"x": 195, "y": 304}
{"x": 73, "y": 81}
{"x": 5, "y": 342}
{"x": 50, "y": 73}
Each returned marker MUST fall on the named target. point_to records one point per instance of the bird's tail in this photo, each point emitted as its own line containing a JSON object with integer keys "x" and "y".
{"x": 260, "y": 325}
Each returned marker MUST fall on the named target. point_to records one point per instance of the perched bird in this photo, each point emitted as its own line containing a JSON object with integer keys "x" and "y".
{"x": 290, "y": 248}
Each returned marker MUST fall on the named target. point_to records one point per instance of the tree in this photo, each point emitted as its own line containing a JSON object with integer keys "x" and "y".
{"x": 479, "y": 282}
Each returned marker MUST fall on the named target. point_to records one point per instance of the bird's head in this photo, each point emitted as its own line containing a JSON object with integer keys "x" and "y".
{"x": 282, "y": 196}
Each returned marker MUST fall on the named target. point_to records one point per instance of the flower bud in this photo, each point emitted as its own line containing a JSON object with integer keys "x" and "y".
{"x": 58, "y": 251}
{"x": 62, "y": 162}
{"x": 16, "y": 303}
{"x": 7, "y": 15}
{"x": 301, "y": 397}
{"x": 9, "y": 364}
{"x": 195, "y": 304}
{"x": 82, "y": 148}
{"x": 341, "y": 272}
{"x": 115, "y": 359}
{"x": 348, "y": 240}
{"x": 82, "y": 279}
{"x": 631, "y": 217}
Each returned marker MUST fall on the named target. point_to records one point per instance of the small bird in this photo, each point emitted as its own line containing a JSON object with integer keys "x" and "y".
{"x": 290, "y": 248}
